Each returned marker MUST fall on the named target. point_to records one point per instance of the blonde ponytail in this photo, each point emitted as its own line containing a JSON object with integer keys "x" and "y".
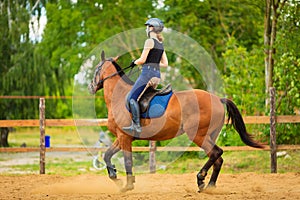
{"x": 160, "y": 37}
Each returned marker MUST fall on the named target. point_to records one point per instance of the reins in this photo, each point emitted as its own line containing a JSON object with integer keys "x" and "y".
{"x": 114, "y": 74}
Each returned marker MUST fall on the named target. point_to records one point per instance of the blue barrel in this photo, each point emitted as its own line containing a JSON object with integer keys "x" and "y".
{"x": 47, "y": 141}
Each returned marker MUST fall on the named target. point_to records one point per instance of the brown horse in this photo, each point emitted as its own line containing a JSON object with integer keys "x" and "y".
{"x": 196, "y": 113}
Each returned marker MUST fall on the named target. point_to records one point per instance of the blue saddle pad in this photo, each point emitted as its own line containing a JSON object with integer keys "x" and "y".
{"x": 157, "y": 106}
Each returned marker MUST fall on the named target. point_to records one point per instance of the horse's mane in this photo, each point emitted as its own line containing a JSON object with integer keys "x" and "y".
{"x": 122, "y": 73}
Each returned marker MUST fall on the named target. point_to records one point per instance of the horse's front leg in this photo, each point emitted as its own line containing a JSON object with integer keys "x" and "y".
{"x": 112, "y": 150}
{"x": 111, "y": 169}
{"x": 128, "y": 167}
{"x": 127, "y": 152}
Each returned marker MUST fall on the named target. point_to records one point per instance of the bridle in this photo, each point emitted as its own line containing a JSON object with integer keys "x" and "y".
{"x": 120, "y": 71}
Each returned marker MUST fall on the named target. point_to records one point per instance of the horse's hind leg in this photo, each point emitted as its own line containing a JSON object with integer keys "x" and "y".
{"x": 213, "y": 155}
{"x": 216, "y": 170}
{"x": 218, "y": 163}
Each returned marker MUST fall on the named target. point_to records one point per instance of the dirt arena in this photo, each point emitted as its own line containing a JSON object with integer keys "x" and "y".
{"x": 150, "y": 186}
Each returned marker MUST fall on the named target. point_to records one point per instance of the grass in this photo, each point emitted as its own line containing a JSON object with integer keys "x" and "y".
{"x": 60, "y": 136}
{"x": 234, "y": 162}
{"x": 239, "y": 162}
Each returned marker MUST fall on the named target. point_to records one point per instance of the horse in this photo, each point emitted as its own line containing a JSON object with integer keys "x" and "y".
{"x": 195, "y": 112}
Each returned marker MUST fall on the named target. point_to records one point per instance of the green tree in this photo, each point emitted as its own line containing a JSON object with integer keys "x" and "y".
{"x": 75, "y": 28}
{"x": 273, "y": 10}
{"x": 212, "y": 23}
{"x": 230, "y": 31}
{"x": 287, "y": 66}
{"x": 18, "y": 73}
{"x": 287, "y": 70}
{"x": 244, "y": 77}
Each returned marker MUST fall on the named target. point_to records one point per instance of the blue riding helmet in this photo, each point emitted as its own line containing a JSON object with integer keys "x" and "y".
{"x": 156, "y": 23}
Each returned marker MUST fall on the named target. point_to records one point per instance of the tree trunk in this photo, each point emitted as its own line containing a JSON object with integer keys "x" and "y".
{"x": 4, "y": 137}
{"x": 267, "y": 35}
{"x": 272, "y": 12}
{"x": 272, "y": 49}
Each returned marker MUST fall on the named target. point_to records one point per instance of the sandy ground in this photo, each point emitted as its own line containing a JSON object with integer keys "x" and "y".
{"x": 150, "y": 186}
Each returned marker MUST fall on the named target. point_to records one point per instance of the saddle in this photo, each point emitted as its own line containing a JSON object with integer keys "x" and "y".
{"x": 149, "y": 94}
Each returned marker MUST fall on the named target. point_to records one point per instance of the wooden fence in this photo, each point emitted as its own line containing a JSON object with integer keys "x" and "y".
{"x": 42, "y": 123}
{"x": 103, "y": 122}
{"x": 152, "y": 149}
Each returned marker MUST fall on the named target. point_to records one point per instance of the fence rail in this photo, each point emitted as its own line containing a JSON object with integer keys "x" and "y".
{"x": 140, "y": 149}
{"x": 53, "y": 122}
{"x": 103, "y": 122}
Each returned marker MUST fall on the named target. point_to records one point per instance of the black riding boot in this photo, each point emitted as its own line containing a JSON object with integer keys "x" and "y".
{"x": 135, "y": 127}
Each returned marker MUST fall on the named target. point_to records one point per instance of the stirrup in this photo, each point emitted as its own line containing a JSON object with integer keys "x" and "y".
{"x": 133, "y": 128}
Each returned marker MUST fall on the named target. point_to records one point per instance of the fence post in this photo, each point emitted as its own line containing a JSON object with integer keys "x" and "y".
{"x": 273, "y": 147}
{"x": 152, "y": 159}
{"x": 42, "y": 136}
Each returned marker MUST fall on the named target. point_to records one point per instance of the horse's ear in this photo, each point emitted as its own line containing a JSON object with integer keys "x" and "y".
{"x": 116, "y": 58}
{"x": 102, "y": 55}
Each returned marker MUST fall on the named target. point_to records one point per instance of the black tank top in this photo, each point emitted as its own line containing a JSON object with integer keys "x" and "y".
{"x": 155, "y": 54}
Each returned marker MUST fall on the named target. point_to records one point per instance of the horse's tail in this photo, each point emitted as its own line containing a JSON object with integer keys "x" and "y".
{"x": 238, "y": 123}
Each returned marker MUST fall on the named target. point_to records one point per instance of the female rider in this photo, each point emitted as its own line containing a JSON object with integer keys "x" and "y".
{"x": 152, "y": 58}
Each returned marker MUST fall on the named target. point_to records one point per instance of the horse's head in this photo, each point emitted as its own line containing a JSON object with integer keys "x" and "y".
{"x": 98, "y": 79}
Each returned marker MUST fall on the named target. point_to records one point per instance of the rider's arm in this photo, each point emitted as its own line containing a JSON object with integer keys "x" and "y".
{"x": 149, "y": 44}
{"x": 164, "y": 60}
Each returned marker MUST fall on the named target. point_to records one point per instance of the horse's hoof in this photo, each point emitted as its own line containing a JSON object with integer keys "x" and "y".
{"x": 201, "y": 187}
{"x": 211, "y": 185}
{"x": 127, "y": 188}
{"x": 113, "y": 177}
{"x": 112, "y": 172}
